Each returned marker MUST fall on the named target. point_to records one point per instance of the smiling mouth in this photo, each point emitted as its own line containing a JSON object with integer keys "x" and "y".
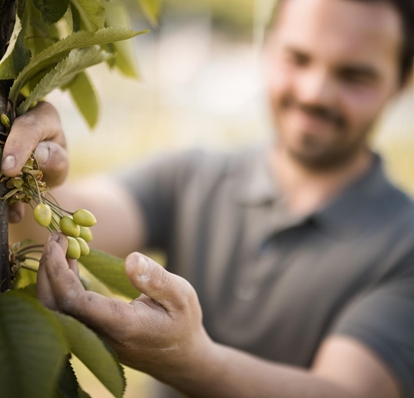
{"x": 311, "y": 123}
{"x": 312, "y": 113}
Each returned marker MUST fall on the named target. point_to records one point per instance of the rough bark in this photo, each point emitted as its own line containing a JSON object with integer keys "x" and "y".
{"x": 4, "y": 211}
{"x": 7, "y": 19}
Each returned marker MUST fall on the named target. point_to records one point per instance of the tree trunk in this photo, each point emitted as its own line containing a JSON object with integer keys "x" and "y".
{"x": 7, "y": 19}
{"x": 4, "y": 209}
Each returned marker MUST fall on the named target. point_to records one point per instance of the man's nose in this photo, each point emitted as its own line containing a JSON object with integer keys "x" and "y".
{"x": 316, "y": 87}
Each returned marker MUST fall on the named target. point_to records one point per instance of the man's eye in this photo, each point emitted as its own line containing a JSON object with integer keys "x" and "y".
{"x": 298, "y": 59}
{"x": 355, "y": 78}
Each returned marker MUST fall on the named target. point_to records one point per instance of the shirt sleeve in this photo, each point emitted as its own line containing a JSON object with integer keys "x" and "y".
{"x": 156, "y": 186}
{"x": 383, "y": 320}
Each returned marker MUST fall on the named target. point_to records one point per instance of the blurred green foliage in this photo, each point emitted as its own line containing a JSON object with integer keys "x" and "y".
{"x": 234, "y": 16}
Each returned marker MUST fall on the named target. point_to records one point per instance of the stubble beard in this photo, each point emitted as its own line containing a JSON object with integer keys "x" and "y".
{"x": 318, "y": 156}
{"x": 312, "y": 157}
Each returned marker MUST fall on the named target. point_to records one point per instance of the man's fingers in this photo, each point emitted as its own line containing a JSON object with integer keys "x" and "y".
{"x": 27, "y": 128}
{"x": 106, "y": 316}
{"x": 61, "y": 240}
{"x": 53, "y": 161}
{"x": 171, "y": 291}
{"x": 73, "y": 265}
{"x": 44, "y": 290}
{"x": 16, "y": 212}
{"x": 64, "y": 284}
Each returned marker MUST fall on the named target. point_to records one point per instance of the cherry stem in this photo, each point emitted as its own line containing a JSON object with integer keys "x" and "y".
{"x": 29, "y": 268}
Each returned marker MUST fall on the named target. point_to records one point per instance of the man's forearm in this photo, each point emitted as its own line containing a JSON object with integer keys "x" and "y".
{"x": 224, "y": 372}
{"x": 161, "y": 333}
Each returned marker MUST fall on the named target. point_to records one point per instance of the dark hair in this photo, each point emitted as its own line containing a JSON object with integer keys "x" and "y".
{"x": 405, "y": 9}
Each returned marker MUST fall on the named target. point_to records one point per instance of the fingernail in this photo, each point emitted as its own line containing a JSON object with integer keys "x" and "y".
{"x": 8, "y": 162}
{"x": 14, "y": 217}
{"x": 140, "y": 262}
{"x": 42, "y": 153}
{"x": 53, "y": 238}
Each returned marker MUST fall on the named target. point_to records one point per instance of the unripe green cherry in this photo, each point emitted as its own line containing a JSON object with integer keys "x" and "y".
{"x": 74, "y": 250}
{"x": 43, "y": 214}
{"x": 5, "y": 121}
{"x": 84, "y": 247}
{"x": 69, "y": 227}
{"x": 84, "y": 218}
{"x": 86, "y": 234}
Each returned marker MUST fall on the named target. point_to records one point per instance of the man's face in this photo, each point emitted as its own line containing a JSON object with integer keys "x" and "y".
{"x": 332, "y": 66}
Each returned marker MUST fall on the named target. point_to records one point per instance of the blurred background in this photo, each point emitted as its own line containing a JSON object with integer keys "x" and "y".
{"x": 200, "y": 86}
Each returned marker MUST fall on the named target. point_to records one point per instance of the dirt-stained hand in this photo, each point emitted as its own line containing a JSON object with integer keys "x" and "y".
{"x": 38, "y": 130}
{"x": 159, "y": 333}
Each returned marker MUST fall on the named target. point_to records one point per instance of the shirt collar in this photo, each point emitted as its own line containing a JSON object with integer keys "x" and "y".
{"x": 346, "y": 216}
{"x": 355, "y": 208}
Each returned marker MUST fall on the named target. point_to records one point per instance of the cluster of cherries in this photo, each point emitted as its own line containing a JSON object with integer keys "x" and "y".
{"x": 27, "y": 186}
{"x": 75, "y": 226}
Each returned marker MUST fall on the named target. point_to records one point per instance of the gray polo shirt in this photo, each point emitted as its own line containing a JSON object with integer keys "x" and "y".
{"x": 273, "y": 284}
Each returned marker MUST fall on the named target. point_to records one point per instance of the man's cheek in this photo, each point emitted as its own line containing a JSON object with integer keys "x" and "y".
{"x": 280, "y": 82}
{"x": 362, "y": 105}
{"x": 360, "y": 119}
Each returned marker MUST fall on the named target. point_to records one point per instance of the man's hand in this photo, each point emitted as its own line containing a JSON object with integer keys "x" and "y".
{"x": 159, "y": 333}
{"x": 38, "y": 130}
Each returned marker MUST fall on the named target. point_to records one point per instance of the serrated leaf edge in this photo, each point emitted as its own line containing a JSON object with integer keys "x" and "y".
{"x": 54, "y": 50}
{"x": 33, "y": 96}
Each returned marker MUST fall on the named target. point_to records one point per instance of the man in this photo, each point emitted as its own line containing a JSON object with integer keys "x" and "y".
{"x": 301, "y": 254}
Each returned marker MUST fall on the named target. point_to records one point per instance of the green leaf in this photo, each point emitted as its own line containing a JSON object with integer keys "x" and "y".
{"x": 64, "y": 72}
{"x": 68, "y": 385}
{"x": 32, "y": 348}
{"x": 83, "y": 394}
{"x": 76, "y": 18}
{"x": 86, "y": 345}
{"x": 29, "y": 290}
{"x": 91, "y": 283}
{"x": 69, "y": 18}
{"x": 125, "y": 61}
{"x": 39, "y": 35}
{"x": 84, "y": 96}
{"x": 17, "y": 55}
{"x": 91, "y": 12}
{"x": 151, "y": 10}
{"x": 21, "y": 6}
{"x": 111, "y": 271}
{"x": 73, "y": 19}
{"x": 51, "y": 10}
{"x": 25, "y": 278}
{"x": 61, "y": 49}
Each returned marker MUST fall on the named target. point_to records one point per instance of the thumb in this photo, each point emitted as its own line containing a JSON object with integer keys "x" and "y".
{"x": 169, "y": 290}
